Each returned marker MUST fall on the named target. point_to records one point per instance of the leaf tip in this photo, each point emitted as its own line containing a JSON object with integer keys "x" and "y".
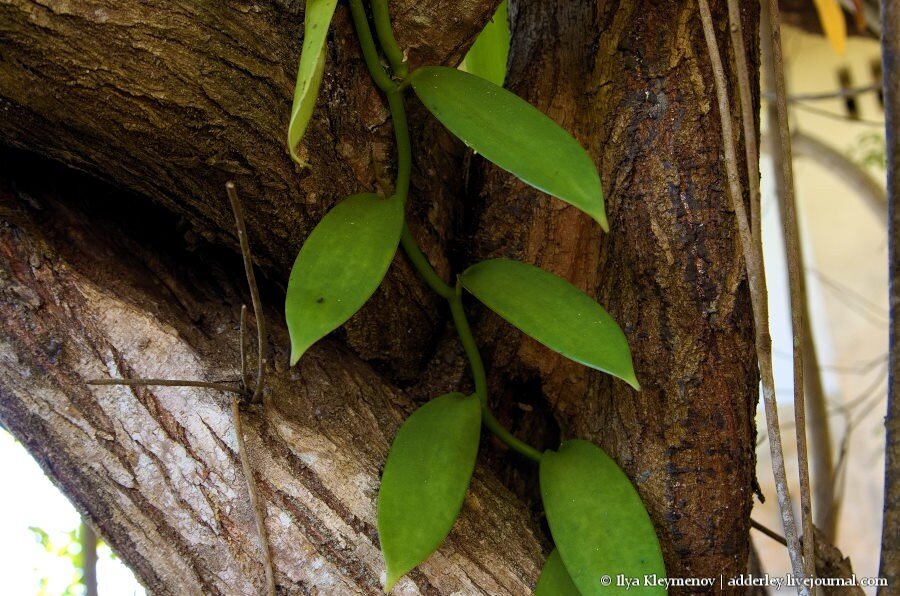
{"x": 630, "y": 377}
{"x": 604, "y": 223}
{"x": 599, "y": 212}
{"x": 297, "y": 351}
{"x": 391, "y": 580}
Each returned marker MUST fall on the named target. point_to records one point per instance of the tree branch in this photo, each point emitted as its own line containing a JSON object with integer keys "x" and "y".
{"x": 158, "y": 470}
{"x": 171, "y": 99}
{"x": 774, "y": 64}
{"x": 757, "y": 282}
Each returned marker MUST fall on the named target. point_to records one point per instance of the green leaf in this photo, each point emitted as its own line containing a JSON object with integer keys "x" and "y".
{"x": 425, "y": 480}
{"x": 554, "y": 312}
{"x": 555, "y": 580}
{"x": 340, "y": 266}
{"x": 487, "y": 56}
{"x": 513, "y": 134}
{"x": 597, "y": 520}
{"x": 309, "y": 73}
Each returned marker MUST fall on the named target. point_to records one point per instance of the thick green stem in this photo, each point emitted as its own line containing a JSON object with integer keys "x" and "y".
{"x": 394, "y": 94}
{"x": 382, "y": 17}
{"x": 404, "y": 148}
{"x": 478, "y": 372}
{"x": 387, "y": 86}
{"x": 469, "y": 345}
{"x": 370, "y": 52}
{"x": 420, "y": 262}
{"x": 493, "y": 425}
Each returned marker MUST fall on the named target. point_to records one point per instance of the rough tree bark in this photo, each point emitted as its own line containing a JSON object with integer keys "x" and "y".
{"x": 170, "y": 98}
{"x": 632, "y": 80}
{"x": 155, "y": 469}
{"x": 890, "y": 536}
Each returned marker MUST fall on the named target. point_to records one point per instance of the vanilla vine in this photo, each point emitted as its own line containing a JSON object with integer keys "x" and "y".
{"x": 595, "y": 515}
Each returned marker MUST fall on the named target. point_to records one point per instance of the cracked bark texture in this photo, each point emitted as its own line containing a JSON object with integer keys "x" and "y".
{"x": 170, "y": 98}
{"x": 155, "y": 469}
{"x": 632, "y": 81}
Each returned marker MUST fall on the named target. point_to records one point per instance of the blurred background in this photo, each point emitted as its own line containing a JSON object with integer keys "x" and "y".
{"x": 45, "y": 548}
{"x": 842, "y": 215}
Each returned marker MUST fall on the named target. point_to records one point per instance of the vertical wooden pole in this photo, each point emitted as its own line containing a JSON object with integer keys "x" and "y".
{"x": 890, "y": 538}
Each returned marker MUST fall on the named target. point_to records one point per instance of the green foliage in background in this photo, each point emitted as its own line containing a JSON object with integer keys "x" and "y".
{"x": 69, "y": 548}
{"x": 870, "y": 150}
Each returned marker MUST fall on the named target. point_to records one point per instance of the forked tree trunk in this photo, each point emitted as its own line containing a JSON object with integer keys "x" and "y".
{"x": 171, "y": 98}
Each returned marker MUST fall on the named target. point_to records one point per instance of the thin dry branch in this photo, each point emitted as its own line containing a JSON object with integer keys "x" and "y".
{"x": 827, "y": 506}
{"x": 817, "y": 405}
{"x": 168, "y": 383}
{"x": 757, "y": 284}
{"x": 244, "y": 379}
{"x": 795, "y": 271}
{"x": 770, "y": 533}
{"x": 254, "y": 290}
{"x": 751, "y": 149}
{"x": 819, "y": 428}
{"x": 258, "y": 509}
{"x": 259, "y": 512}
{"x": 836, "y": 94}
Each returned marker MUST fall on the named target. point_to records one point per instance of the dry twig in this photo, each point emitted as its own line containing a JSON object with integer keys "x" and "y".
{"x": 795, "y": 271}
{"x": 168, "y": 383}
{"x": 836, "y": 94}
{"x": 259, "y": 513}
{"x": 751, "y": 149}
{"x": 254, "y": 290}
{"x": 244, "y": 379}
{"x": 757, "y": 284}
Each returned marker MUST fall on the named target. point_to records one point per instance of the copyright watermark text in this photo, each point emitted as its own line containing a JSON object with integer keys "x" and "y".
{"x": 769, "y": 581}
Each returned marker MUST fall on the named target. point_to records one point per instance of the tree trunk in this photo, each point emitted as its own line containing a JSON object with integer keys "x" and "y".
{"x": 155, "y": 469}
{"x": 632, "y": 80}
{"x": 171, "y": 98}
{"x": 890, "y": 535}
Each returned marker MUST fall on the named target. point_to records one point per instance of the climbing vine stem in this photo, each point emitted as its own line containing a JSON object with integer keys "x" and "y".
{"x": 420, "y": 262}
{"x": 404, "y": 149}
{"x": 370, "y": 52}
{"x": 394, "y": 93}
{"x": 382, "y": 18}
{"x": 477, "y": 365}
